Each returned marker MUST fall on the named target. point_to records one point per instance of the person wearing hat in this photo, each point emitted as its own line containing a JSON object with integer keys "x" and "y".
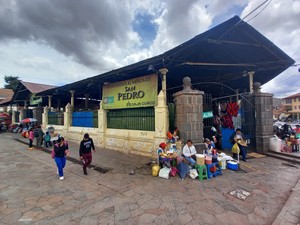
{"x": 161, "y": 151}
{"x": 85, "y": 151}
{"x": 239, "y": 138}
{"x": 61, "y": 151}
{"x": 209, "y": 145}
{"x": 189, "y": 152}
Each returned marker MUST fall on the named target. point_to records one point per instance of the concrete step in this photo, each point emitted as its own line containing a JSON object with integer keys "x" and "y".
{"x": 290, "y": 157}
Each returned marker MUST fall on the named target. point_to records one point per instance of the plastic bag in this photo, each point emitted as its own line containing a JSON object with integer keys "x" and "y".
{"x": 235, "y": 149}
{"x": 164, "y": 172}
{"x": 193, "y": 173}
{"x": 173, "y": 171}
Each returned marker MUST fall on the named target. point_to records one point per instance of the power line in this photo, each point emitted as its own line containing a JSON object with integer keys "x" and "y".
{"x": 259, "y": 12}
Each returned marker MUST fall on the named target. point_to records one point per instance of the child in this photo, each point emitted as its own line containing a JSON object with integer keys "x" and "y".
{"x": 31, "y": 137}
{"x": 47, "y": 139}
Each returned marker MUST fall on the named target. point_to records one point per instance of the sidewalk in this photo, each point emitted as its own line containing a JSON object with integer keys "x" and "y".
{"x": 115, "y": 197}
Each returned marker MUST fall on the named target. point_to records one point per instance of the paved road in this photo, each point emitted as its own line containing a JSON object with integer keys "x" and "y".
{"x": 31, "y": 193}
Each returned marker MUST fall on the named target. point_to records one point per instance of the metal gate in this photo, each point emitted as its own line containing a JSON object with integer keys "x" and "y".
{"x": 248, "y": 119}
{"x": 207, "y": 122}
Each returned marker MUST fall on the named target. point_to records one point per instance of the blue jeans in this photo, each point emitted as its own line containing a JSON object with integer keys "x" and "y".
{"x": 243, "y": 151}
{"x": 60, "y": 163}
{"x": 190, "y": 160}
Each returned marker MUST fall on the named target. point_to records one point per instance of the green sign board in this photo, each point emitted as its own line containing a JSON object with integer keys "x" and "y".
{"x": 134, "y": 93}
{"x": 34, "y": 100}
{"x": 207, "y": 115}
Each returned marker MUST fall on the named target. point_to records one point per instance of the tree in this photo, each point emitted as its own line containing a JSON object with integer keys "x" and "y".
{"x": 11, "y": 82}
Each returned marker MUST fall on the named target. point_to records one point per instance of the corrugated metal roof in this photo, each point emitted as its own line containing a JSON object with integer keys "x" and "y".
{"x": 4, "y": 93}
{"x": 36, "y": 88}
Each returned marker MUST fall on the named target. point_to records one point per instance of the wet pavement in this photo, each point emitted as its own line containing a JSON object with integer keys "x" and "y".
{"x": 31, "y": 193}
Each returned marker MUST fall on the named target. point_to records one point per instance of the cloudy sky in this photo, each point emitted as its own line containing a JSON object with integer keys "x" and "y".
{"x": 61, "y": 41}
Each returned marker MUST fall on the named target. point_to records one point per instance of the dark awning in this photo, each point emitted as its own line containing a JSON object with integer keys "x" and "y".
{"x": 215, "y": 60}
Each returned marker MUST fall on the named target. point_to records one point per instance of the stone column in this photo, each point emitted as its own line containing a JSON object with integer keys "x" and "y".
{"x": 189, "y": 108}
{"x": 13, "y": 117}
{"x": 263, "y": 118}
{"x": 161, "y": 119}
{"x": 50, "y": 101}
{"x": 68, "y": 116}
{"x": 37, "y": 113}
{"x": 163, "y": 72}
{"x": 251, "y": 73}
{"x": 86, "y": 102}
{"x": 45, "y": 116}
{"x": 72, "y": 98}
{"x": 5, "y": 109}
{"x": 102, "y": 125}
{"x": 25, "y": 104}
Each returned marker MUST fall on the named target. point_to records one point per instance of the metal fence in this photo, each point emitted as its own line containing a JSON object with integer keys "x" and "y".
{"x": 56, "y": 118}
{"x": 85, "y": 119}
{"x": 132, "y": 119}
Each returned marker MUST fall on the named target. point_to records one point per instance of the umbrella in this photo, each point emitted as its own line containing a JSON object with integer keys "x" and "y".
{"x": 4, "y": 115}
{"x": 28, "y": 120}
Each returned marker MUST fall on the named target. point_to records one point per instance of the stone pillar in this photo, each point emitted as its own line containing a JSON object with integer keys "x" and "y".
{"x": 163, "y": 72}
{"x": 161, "y": 119}
{"x": 68, "y": 116}
{"x": 263, "y": 118}
{"x": 25, "y": 104}
{"x": 189, "y": 119}
{"x": 102, "y": 125}
{"x": 45, "y": 116}
{"x": 37, "y": 114}
{"x": 50, "y": 101}
{"x": 86, "y": 102}
{"x": 5, "y": 109}
{"x": 72, "y": 98}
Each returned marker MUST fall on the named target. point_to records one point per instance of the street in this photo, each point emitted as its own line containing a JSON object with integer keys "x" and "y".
{"x": 31, "y": 193}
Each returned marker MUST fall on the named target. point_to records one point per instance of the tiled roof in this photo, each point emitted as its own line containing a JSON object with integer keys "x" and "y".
{"x": 36, "y": 88}
{"x": 6, "y": 95}
{"x": 293, "y": 96}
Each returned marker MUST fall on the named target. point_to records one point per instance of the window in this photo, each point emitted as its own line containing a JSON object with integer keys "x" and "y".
{"x": 295, "y": 107}
{"x": 299, "y": 99}
{"x": 288, "y": 101}
{"x": 299, "y": 106}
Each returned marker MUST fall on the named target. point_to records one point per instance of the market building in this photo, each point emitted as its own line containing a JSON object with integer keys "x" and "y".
{"x": 211, "y": 80}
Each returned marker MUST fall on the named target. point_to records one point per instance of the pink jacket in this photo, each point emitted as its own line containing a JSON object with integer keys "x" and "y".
{"x": 31, "y": 135}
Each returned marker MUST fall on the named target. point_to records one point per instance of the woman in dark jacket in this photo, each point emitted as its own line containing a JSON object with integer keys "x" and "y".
{"x": 61, "y": 151}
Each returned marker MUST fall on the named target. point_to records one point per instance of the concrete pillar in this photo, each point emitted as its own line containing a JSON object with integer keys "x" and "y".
{"x": 102, "y": 125}
{"x": 189, "y": 108}
{"x": 263, "y": 118}
{"x": 49, "y": 101}
{"x": 163, "y": 72}
{"x": 161, "y": 119}
{"x": 72, "y": 98}
{"x": 45, "y": 117}
{"x": 68, "y": 116}
{"x": 25, "y": 104}
{"x": 251, "y": 73}
{"x": 13, "y": 117}
{"x": 86, "y": 102}
{"x": 37, "y": 114}
{"x": 5, "y": 109}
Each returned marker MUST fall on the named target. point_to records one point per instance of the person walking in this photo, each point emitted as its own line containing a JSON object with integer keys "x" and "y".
{"x": 31, "y": 138}
{"x": 61, "y": 151}
{"x": 85, "y": 151}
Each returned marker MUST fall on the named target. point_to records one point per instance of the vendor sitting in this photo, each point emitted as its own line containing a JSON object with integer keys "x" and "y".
{"x": 189, "y": 152}
{"x": 162, "y": 154}
{"x": 209, "y": 145}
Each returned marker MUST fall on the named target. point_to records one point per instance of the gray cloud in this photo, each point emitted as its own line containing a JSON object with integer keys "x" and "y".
{"x": 73, "y": 28}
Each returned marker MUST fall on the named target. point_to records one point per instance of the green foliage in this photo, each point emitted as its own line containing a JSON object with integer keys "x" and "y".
{"x": 11, "y": 82}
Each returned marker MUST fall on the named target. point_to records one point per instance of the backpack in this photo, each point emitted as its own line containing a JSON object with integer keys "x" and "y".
{"x": 36, "y": 132}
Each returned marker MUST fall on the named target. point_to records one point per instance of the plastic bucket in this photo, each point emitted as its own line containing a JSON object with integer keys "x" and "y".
{"x": 222, "y": 163}
{"x": 208, "y": 160}
{"x": 200, "y": 159}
